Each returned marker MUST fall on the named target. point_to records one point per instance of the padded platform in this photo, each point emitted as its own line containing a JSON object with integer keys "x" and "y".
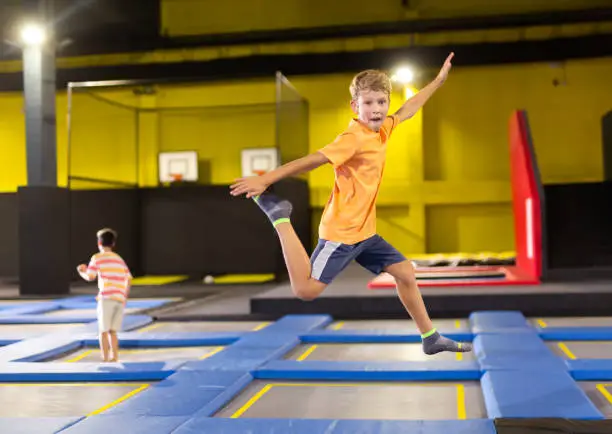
{"x": 369, "y": 371}
{"x": 590, "y": 369}
{"x": 65, "y": 372}
{"x": 378, "y": 336}
{"x": 330, "y": 426}
{"x": 103, "y": 423}
{"x": 533, "y": 394}
{"x": 138, "y": 340}
{"x": 24, "y": 425}
{"x": 499, "y": 321}
{"x": 576, "y": 333}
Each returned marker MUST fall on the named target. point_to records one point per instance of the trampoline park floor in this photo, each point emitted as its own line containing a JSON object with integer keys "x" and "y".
{"x": 337, "y": 370}
{"x": 354, "y": 400}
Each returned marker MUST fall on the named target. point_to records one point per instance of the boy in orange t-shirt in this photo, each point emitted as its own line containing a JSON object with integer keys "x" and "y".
{"x": 348, "y": 226}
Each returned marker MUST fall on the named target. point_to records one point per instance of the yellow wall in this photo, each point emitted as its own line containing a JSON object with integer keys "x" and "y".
{"x": 192, "y": 17}
{"x": 465, "y": 127}
{"x": 12, "y": 142}
{"x": 446, "y": 186}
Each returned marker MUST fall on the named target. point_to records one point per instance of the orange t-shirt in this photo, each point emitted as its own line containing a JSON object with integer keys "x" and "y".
{"x": 358, "y": 156}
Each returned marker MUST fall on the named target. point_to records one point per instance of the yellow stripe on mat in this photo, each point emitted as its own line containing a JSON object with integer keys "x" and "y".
{"x": 80, "y": 356}
{"x": 119, "y": 400}
{"x": 602, "y": 389}
{"x": 261, "y": 326}
{"x": 243, "y": 278}
{"x": 461, "y": 414}
{"x": 338, "y": 326}
{"x": 307, "y": 353}
{"x": 149, "y": 327}
{"x": 566, "y": 350}
{"x": 542, "y": 323}
{"x": 252, "y": 401}
{"x": 210, "y": 354}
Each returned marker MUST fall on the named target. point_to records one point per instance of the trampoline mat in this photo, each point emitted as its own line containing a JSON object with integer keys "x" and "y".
{"x": 61, "y": 399}
{"x": 337, "y": 400}
{"x": 163, "y": 354}
{"x": 383, "y": 352}
{"x": 203, "y": 326}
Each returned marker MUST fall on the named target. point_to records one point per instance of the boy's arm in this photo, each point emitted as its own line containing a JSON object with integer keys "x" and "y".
{"x": 90, "y": 271}
{"x": 255, "y": 185}
{"x": 414, "y": 104}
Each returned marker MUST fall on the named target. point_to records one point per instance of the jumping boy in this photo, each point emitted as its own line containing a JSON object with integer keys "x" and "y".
{"x": 114, "y": 281}
{"x": 348, "y": 225}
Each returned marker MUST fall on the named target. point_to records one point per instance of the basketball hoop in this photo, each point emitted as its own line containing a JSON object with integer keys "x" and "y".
{"x": 176, "y": 177}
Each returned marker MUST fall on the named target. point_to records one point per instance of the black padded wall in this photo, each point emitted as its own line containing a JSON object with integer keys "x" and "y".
{"x": 9, "y": 236}
{"x": 44, "y": 241}
{"x": 579, "y": 225}
{"x": 91, "y": 210}
{"x": 606, "y": 137}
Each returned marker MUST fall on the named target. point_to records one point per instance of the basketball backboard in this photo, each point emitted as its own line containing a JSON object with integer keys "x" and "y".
{"x": 183, "y": 165}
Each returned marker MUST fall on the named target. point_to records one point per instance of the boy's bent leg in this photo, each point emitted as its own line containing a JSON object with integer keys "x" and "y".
{"x": 410, "y": 296}
{"x": 296, "y": 258}
{"x": 381, "y": 256}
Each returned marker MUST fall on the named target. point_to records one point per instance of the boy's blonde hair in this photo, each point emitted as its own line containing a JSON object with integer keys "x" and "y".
{"x": 370, "y": 79}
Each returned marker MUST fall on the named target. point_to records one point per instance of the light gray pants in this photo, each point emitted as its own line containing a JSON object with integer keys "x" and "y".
{"x": 110, "y": 315}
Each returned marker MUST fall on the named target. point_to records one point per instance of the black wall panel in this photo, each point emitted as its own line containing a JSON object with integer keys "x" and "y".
{"x": 44, "y": 240}
{"x": 91, "y": 210}
{"x": 9, "y": 236}
{"x": 579, "y": 225}
{"x": 203, "y": 230}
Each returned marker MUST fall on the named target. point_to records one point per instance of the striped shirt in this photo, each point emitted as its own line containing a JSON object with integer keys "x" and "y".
{"x": 113, "y": 275}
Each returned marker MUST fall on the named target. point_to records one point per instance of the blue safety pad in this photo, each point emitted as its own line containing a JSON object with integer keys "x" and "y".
{"x": 514, "y": 351}
{"x": 378, "y": 336}
{"x": 535, "y": 394}
{"x": 498, "y": 321}
{"x": 369, "y": 371}
{"x": 590, "y": 369}
{"x": 103, "y": 424}
{"x": 130, "y": 322}
{"x": 576, "y": 333}
{"x": 184, "y": 394}
{"x": 43, "y": 319}
{"x": 38, "y": 425}
{"x": 236, "y": 357}
{"x": 40, "y": 348}
{"x": 333, "y": 426}
{"x": 298, "y": 324}
{"x": 131, "y": 304}
{"x": 14, "y": 337}
{"x": 30, "y": 309}
{"x": 58, "y": 371}
{"x": 138, "y": 340}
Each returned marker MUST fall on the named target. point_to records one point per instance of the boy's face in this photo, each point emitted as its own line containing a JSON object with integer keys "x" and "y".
{"x": 371, "y": 107}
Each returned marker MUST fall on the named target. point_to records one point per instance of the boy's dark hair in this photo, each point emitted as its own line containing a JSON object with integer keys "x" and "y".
{"x": 107, "y": 237}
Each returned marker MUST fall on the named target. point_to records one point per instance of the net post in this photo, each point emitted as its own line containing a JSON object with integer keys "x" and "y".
{"x": 278, "y": 88}
{"x": 69, "y": 134}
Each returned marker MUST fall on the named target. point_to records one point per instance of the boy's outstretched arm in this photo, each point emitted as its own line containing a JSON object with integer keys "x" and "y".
{"x": 413, "y": 105}
{"x": 255, "y": 185}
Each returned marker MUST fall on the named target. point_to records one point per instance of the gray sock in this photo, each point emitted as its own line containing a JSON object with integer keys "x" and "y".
{"x": 434, "y": 343}
{"x": 278, "y": 210}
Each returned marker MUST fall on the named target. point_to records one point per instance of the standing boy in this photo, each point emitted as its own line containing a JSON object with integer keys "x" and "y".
{"x": 114, "y": 280}
{"x": 348, "y": 225}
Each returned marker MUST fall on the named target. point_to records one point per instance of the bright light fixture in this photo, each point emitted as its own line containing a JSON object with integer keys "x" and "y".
{"x": 33, "y": 34}
{"x": 403, "y": 75}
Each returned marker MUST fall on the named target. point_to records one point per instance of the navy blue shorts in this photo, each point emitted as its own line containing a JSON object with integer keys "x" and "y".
{"x": 331, "y": 257}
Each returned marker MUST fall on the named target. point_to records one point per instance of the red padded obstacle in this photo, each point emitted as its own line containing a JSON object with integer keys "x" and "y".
{"x": 526, "y": 203}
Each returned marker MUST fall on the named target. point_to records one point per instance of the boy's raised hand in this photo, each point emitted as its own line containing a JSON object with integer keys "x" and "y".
{"x": 251, "y": 186}
{"x": 443, "y": 74}
{"x": 82, "y": 268}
